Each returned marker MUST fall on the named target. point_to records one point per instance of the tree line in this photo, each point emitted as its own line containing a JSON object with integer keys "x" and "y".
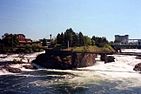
{"x": 9, "y": 43}
{"x": 9, "y": 40}
{"x": 63, "y": 40}
{"x": 71, "y": 38}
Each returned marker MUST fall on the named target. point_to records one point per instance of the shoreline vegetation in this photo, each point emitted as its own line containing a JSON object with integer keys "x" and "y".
{"x": 18, "y": 43}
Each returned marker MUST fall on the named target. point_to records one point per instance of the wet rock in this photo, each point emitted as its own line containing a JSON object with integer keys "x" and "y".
{"x": 106, "y": 58}
{"x": 138, "y": 57}
{"x": 65, "y": 59}
{"x": 102, "y": 57}
{"x": 137, "y": 67}
{"x": 29, "y": 67}
{"x": 13, "y": 70}
{"x": 109, "y": 59}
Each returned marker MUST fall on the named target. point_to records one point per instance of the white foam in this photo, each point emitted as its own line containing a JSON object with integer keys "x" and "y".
{"x": 131, "y": 50}
{"x": 18, "y": 57}
{"x": 122, "y": 67}
{"x": 4, "y": 72}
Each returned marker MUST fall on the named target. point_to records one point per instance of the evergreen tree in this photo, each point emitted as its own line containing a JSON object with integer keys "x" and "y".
{"x": 81, "y": 39}
{"x": 69, "y": 37}
{"x": 59, "y": 41}
{"x": 44, "y": 42}
{"x": 87, "y": 41}
{"x": 99, "y": 41}
{"x": 62, "y": 39}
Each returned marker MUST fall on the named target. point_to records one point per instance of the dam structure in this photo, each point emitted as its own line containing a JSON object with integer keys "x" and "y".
{"x": 123, "y": 42}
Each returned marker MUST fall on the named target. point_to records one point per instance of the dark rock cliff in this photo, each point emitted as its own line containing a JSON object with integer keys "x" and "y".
{"x": 56, "y": 59}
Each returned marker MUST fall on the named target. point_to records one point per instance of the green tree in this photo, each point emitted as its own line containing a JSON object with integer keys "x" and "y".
{"x": 10, "y": 40}
{"x": 75, "y": 40}
{"x": 44, "y": 42}
{"x": 99, "y": 41}
{"x": 87, "y": 41}
{"x": 69, "y": 37}
{"x": 59, "y": 41}
{"x": 81, "y": 39}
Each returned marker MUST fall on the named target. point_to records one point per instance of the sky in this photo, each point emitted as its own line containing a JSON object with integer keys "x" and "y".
{"x": 39, "y": 18}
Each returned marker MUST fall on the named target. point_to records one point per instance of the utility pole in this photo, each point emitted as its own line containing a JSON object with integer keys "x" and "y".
{"x": 12, "y": 40}
{"x": 68, "y": 44}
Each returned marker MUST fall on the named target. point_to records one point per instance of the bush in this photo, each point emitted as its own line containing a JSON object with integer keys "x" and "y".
{"x": 28, "y": 49}
{"x": 35, "y": 48}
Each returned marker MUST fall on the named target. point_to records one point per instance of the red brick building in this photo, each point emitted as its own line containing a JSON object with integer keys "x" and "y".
{"x": 23, "y": 40}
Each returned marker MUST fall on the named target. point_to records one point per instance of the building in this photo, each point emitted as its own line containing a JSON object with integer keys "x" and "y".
{"x": 123, "y": 42}
{"x": 23, "y": 40}
{"x": 46, "y": 42}
{"x": 121, "y": 39}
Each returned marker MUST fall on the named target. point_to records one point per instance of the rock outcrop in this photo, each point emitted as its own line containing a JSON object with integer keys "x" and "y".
{"x": 29, "y": 67}
{"x": 13, "y": 70}
{"x": 109, "y": 59}
{"x": 106, "y": 58}
{"x": 137, "y": 67}
{"x": 56, "y": 59}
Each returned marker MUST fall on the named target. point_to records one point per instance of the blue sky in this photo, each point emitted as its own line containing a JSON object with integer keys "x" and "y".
{"x": 40, "y": 18}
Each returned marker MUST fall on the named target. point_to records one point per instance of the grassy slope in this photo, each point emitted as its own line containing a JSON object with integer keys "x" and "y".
{"x": 105, "y": 49}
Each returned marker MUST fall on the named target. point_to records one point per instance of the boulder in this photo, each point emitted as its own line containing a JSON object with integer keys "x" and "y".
{"x": 29, "y": 67}
{"x": 83, "y": 59}
{"x": 106, "y": 58}
{"x": 102, "y": 57}
{"x": 109, "y": 59}
{"x": 137, "y": 67}
{"x": 13, "y": 70}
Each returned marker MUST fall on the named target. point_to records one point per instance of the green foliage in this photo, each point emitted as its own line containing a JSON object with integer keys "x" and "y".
{"x": 87, "y": 41}
{"x": 81, "y": 39}
{"x": 10, "y": 40}
{"x": 28, "y": 49}
{"x": 99, "y": 41}
{"x": 78, "y": 39}
{"x": 44, "y": 42}
{"x": 36, "y": 48}
{"x": 94, "y": 49}
{"x": 74, "y": 39}
{"x": 69, "y": 37}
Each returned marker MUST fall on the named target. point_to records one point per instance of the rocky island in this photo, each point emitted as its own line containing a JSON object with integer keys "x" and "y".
{"x": 68, "y": 59}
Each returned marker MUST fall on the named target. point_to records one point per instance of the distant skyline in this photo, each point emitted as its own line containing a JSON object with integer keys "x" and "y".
{"x": 40, "y": 18}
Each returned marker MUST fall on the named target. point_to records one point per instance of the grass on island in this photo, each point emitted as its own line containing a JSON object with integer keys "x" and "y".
{"x": 94, "y": 49}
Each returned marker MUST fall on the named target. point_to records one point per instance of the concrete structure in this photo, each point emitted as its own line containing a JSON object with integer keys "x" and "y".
{"x": 134, "y": 41}
{"x": 123, "y": 42}
{"x": 121, "y": 39}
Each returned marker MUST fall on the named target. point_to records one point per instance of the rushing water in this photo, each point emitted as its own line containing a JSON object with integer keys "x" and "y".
{"x": 113, "y": 78}
{"x": 63, "y": 82}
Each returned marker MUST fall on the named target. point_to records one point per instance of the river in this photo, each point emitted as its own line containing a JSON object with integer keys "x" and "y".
{"x": 112, "y": 78}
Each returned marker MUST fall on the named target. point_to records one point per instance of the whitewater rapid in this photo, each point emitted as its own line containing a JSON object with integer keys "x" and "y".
{"x": 120, "y": 72}
{"x": 24, "y": 57}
